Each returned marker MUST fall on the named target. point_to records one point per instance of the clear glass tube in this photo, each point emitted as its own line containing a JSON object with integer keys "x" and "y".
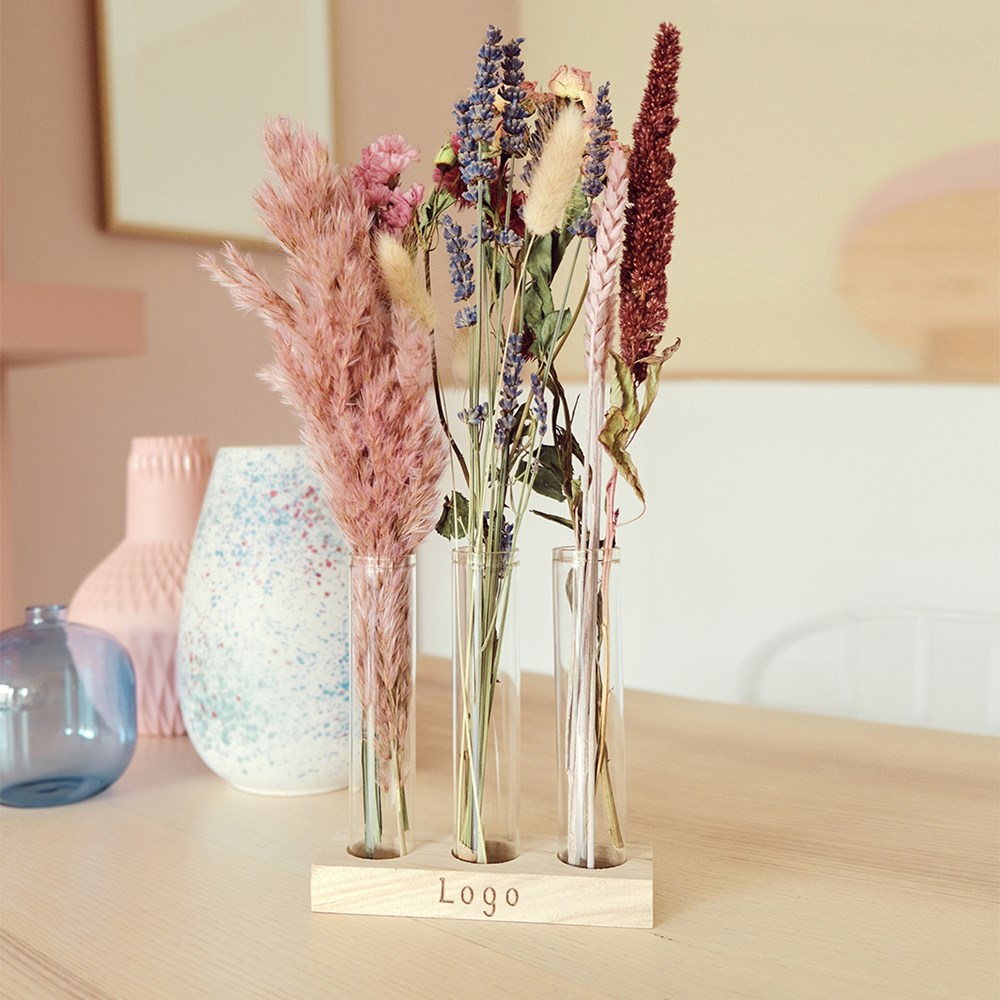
{"x": 590, "y": 725}
{"x": 486, "y": 708}
{"x": 383, "y": 668}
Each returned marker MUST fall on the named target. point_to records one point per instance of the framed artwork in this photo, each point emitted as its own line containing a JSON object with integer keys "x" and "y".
{"x": 186, "y": 88}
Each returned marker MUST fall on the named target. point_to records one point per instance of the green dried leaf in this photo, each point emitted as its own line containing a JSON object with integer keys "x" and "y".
{"x": 550, "y": 476}
{"x": 540, "y": 266}
{"x": 548, "y": 484}
{"x": 651, "y": 384}
{"x": 576, "y": 206}
{"x": 623, "y": 390}
{"x": 430, "y": 212}
{"x": 533, "y": 308}
{"x": 550, "y": 460}
{"x": 565, "y": 521}
{"x": 499, "y": 268}
{"x": 454, "y": 520}
{"x": 554, "y": 325}
{"x": 650, "y": 387}
{"x": 615, "y": 436}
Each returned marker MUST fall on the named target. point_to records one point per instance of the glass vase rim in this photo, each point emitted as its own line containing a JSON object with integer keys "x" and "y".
{"x": 260, "y": 449}
{"x": 46, "y": 614}
{"x": 383, "y": 562}
{"x": 478, "y": 557}
{"x": 570, "y": 554}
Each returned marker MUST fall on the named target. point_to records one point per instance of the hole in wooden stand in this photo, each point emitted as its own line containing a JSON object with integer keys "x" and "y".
{"x": 604, "y": 857}
{"x": 497, "y": 852}
{"x": 358, "y": 850}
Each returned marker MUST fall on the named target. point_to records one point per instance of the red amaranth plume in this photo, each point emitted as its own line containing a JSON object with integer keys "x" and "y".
{"x": 649, "y": 219}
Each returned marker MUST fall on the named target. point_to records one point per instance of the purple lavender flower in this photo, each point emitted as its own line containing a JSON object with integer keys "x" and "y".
{"x": 468, "y": 316}
{"x": 485, "y": 232}
{"x": 539, "y": 408}
{"x": 460, "y": 268}
{"x": 474, "y": 415}
{"x": 583, "y": 225}
{"x": 510, "y": 390}
{"x": 503, "y": 237}
{"x": 544, "y": 120}
{"x": 506, "y": 534}
{"x": 515, "y": 115}
{"x": 475, "y": 117}
{"x": 509, "y": 238}
{"x": 598, "y": 148}
{"x": 598, "y": 144}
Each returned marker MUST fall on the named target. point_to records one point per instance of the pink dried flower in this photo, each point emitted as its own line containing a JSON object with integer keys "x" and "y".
{"x": 377, "y": 177}
{"x": 397, "y": 212}
{"x": 573, "y": 84}
{"x": 533, "y": 97}
{"x": 602, "y": 271}
{"x": 384, "y": 160}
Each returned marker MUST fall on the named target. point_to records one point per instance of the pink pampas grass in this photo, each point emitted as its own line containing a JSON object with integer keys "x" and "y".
{"x": 352, "y": 357}
{"x": 353, "y": 364}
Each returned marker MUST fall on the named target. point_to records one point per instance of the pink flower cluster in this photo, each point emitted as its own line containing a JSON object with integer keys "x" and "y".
{"x": 377, "y": 177}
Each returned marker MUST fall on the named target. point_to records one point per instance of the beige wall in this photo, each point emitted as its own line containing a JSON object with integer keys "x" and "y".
{"x": 69, "y": 425}
{"x": 792, "y": 116}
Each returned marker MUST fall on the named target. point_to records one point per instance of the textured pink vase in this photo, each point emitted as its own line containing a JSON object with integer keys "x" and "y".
{"x": 135, "y": 593}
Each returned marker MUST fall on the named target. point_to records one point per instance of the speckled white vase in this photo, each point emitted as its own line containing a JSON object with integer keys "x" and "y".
{"x": 262, "y": 654}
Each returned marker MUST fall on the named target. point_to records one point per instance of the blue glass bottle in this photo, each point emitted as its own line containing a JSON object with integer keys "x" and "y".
{"x": 67, "y": 710}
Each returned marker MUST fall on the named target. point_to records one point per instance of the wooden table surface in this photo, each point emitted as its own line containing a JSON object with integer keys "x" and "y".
{"x": 795, "y": 857}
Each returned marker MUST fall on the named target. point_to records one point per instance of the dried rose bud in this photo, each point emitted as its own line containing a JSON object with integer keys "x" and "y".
{"x": 574, "y": 84}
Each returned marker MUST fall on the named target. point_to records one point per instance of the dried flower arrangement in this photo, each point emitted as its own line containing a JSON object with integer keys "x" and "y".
{"x": 550, "y": 190}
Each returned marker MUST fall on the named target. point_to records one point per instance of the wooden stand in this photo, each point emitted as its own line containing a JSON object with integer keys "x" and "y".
{"x": 536, "y": 887}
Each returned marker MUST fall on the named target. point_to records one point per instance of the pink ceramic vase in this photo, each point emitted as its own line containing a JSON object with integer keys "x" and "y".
{"x": 135, "y": 593}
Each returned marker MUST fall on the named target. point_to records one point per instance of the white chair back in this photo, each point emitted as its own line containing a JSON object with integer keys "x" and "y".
{"x": 918, "y": 666}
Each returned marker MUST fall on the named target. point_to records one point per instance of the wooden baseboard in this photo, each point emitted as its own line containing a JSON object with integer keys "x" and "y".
{"x": 535, "y": 887}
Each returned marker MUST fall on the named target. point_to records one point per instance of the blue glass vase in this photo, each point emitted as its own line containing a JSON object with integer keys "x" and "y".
{"x": 67, "y": 710}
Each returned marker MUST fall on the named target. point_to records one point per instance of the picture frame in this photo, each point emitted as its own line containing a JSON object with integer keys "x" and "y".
{"x": 185, "y": 91}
